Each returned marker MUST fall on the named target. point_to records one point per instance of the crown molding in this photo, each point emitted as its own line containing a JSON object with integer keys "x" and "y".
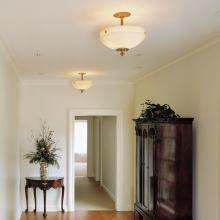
{"x": 178, "y": 60}
{"x": 67, "y": 82}
{"x": 9, "y": 58}
{"x": 36, "y": 82}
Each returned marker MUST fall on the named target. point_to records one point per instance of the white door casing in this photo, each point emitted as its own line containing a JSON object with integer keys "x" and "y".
{"x": 119, "y": 154}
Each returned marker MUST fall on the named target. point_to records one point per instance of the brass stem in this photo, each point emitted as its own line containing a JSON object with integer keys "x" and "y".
{"x": 122, "y": 21}
{"x": 82, "y": 75}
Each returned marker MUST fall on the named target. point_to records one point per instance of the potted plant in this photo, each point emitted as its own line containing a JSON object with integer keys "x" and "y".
{"x": 155, "y": 112}
{"x": 45, "y": 153}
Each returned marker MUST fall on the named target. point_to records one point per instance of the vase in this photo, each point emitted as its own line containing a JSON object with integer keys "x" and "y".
{"x": 43, "y": 170}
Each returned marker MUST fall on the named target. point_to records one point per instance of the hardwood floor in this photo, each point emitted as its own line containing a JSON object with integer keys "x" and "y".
{"x": 80, "y": 215}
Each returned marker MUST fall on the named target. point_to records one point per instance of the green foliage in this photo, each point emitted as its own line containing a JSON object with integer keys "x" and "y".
{"x": 155, "y": 112}
{"x": 45, "y": 152}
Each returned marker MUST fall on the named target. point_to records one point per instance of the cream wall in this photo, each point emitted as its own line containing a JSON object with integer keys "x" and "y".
{"x": 53, "y": 103}
{"x": 192, "y": 87}
{"x": 97, "y": 146}
{"x": 109, "y": 154}
{"x": 90, "y": 148}
{"x": 9, "y": 151}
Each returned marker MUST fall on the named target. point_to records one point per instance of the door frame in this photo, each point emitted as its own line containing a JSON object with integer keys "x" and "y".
{"x": 119, "y": 154}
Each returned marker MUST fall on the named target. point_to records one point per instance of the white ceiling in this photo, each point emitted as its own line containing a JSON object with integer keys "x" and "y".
{"x": 66, "y": 33}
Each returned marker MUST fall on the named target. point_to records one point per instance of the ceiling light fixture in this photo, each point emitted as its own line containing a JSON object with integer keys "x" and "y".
{"x": 122, "y": 37}
{"x": 82, "y": 84}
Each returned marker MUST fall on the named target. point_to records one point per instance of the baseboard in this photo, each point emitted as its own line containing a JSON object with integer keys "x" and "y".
{"x": 18, "y": 214}
{"x": 50, "y": 208}
{"x": 112, "y": 196}
{"x": 126, "y": 208}
{"x": 70, "y": 208}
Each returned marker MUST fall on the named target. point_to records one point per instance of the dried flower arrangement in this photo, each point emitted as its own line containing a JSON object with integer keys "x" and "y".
{"x": 45, "y": 153}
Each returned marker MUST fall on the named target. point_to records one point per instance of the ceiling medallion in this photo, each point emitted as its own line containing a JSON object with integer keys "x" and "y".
{"x": 82, "y": 84}
{"x": 122, "y": 37}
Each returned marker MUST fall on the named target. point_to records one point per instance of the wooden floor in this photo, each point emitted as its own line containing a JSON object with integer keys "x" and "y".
{"x": 80, "y": 215}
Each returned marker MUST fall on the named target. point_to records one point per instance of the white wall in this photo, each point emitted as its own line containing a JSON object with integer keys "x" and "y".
{"x": 9, "y": 152}
{"x": 97, "y": 146}
{"x": 192, "y": 88}
{"x": 109, "y": 154}
{"x": 52, "y": 103}
{"x": 90, "y": 149}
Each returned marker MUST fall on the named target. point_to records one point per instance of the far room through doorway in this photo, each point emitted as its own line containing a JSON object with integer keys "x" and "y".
{"x": 95, "y": 162}
{"x": 80, "y": 152}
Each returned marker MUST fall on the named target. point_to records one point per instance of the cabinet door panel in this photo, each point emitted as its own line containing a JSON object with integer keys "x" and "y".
{"x": 151, "y": 174}
{"x": 168, "y": 149}
{"x": 167, "y": 170}
{"x": 167, "y": 163}
{"x": 146, "y": 182}
{"x": 148, "y": 165}
{"x": 166, "y": 196}
{"x": 138, "y": 168}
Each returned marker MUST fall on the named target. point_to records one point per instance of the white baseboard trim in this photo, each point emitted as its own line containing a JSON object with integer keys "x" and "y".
{"x": 18, "y": 214}
{"x": 50, "y": 208}
{"x": 70, "y": 208}
{"x": 126, "y": 208}
{"x": 112, "y": 196}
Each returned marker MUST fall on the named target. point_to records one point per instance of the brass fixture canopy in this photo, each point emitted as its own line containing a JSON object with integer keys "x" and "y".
{"x": 122, "y": 15}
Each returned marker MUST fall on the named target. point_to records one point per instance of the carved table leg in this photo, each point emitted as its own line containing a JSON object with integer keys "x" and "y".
{"x": 35, "y": 200}
{"x": 26, "y": 195}
{"x": 45, "y": 198}
{"x": 63, "y": 190}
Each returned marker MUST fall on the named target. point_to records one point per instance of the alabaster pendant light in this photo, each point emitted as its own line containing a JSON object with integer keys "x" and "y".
{"x": 82, "y": 84}
{"x": 122, "y": 37}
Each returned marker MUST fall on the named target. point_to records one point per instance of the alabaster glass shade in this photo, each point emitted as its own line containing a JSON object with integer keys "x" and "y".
{"x": 123, "y": 36}
{"x": 81, "y": 84}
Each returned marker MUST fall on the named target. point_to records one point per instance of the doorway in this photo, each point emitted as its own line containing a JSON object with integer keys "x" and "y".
{"x": 119, "y": 193}
{"x": 95, "y": 152}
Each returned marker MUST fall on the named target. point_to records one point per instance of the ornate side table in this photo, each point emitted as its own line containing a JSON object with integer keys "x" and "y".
{"x": 44, "y": 185}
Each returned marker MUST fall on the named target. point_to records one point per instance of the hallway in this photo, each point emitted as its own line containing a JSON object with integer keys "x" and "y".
{"x": 89, "y": 195}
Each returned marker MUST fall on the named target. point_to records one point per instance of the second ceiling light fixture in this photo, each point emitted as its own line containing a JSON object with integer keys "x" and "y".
{"x": 82, "y": 84}
{"x": 122, "y": 37}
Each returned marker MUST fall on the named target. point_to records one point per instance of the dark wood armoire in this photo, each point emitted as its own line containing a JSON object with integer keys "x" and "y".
{"x": 164, "y": 170}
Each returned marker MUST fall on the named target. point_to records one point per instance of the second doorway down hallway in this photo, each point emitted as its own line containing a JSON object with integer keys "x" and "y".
{"x": 96, "y": 189}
